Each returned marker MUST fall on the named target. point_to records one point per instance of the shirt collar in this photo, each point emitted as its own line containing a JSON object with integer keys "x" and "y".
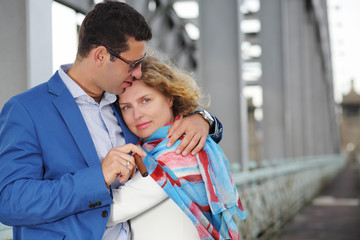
{"x": 76, "y": 91}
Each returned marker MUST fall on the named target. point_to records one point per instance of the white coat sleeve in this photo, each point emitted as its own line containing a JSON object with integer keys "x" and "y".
{"x": 135, "y": 197}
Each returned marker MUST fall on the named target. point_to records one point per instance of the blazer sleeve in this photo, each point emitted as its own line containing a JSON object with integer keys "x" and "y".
{"x": 26, "y": 198}
{"x": 217, "y": 130}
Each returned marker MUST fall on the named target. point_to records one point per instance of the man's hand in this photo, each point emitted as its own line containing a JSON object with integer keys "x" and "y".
{"x": 118, "y": 161}
{"x": 196, "y": 130}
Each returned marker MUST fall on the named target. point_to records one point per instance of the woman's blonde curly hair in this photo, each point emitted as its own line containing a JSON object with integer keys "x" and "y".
{"x": 173, "y": 83}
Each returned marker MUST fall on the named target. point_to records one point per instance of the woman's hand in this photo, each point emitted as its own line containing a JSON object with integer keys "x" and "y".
{"x": 195, "y": 130}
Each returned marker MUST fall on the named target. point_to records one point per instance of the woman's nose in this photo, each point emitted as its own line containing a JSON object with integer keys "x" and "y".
{"x": 137, "y": 113}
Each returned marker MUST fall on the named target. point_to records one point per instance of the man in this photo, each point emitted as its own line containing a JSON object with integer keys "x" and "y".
{"x": 61, "y": 147}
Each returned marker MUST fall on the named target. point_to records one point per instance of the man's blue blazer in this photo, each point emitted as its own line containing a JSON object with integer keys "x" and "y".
{"x": 51, "y": 182}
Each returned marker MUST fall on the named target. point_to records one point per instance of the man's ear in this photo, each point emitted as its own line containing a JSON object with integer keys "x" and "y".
{"x": 99, "y": 54}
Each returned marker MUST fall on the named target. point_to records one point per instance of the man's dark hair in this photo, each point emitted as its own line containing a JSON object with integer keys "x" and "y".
{"x": 111, "y": 24}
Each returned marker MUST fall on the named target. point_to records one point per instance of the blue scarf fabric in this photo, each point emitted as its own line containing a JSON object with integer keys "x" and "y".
{"x": 200, "y": 185}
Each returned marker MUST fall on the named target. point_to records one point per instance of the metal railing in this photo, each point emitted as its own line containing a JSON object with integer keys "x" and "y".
{"x": 274, "y": 194}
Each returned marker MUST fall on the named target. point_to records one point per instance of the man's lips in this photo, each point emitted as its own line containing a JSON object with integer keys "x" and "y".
{"x": 128, "y": 83}
{"x": 143, "y": 125}
{"x": 125, "y": 85}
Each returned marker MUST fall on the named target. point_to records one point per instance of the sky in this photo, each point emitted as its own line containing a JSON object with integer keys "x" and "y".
{"x": 344, "y": 22}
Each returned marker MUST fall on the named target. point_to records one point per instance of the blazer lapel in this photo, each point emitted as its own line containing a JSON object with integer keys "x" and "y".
{"x": 73, "y": 118}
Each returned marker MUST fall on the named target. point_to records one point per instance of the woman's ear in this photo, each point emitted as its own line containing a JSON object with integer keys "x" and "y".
{"x": 171, "y": 102}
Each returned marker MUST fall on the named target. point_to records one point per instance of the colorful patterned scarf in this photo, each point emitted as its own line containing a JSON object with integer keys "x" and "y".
{"x": 200, "y": 185}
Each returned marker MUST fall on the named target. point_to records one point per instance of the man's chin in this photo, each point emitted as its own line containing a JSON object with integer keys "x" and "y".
{"x": 122, "y": 91}
{"x": 118, "y": 91}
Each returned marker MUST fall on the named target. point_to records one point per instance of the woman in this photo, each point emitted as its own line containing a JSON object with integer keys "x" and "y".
{"x": 200, "y": 186}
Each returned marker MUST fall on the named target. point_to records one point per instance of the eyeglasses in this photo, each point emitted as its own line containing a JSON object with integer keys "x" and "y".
{"x": 132, "y": 65}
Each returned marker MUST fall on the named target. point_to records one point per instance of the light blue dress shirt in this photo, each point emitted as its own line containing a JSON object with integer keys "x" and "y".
{"x": 105, "y": 132}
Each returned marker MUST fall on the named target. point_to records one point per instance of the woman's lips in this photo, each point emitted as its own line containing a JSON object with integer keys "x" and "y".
{"x": 143, "y": 125}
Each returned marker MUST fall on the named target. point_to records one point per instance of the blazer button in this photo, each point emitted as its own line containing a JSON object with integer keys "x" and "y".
{"x": 104, "y": 214}
{"x": 91, "y": 205}
{"x": 98, "y": 203}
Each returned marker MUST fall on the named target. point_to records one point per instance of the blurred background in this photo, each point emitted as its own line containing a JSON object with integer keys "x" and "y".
{"x": 283, "y": 78}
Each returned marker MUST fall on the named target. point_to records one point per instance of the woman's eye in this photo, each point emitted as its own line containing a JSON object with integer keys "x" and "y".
{"x": 146, "y": 100}
{"x": 125, "y": 107}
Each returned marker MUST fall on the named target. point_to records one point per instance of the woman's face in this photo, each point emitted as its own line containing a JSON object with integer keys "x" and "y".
{"x": 145, "y": 109}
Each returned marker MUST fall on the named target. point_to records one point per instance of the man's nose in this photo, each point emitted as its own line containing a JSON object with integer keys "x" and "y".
{"x": 136, "y": 73}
